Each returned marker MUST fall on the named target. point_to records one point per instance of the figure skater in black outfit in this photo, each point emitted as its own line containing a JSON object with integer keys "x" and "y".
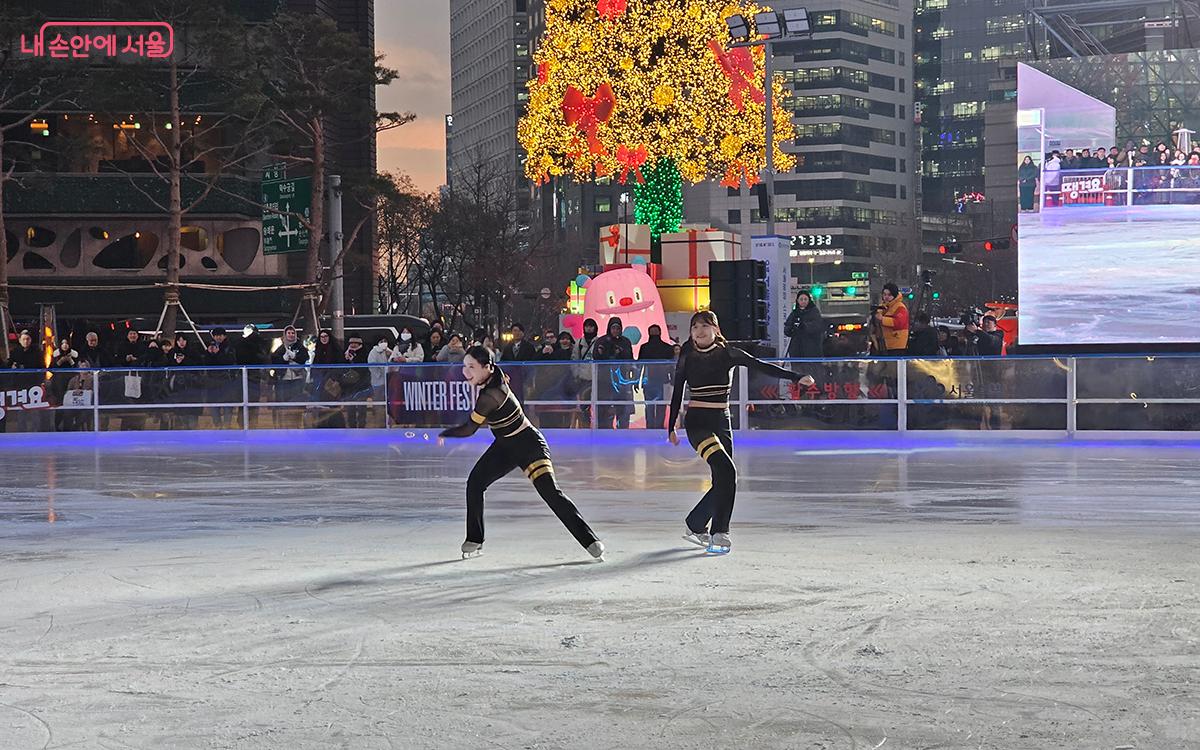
{"x": 706, "y": 364}
{"x": 518, "y": 444}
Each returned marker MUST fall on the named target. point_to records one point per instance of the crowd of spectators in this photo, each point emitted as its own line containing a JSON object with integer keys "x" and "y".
{"x": 1164, "y": 170}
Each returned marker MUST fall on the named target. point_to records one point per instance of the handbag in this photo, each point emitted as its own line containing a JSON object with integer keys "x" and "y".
{"x": 133, "y": 386}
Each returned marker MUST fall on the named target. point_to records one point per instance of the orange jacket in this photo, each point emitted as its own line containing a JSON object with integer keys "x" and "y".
{"x": 895, "y": 326}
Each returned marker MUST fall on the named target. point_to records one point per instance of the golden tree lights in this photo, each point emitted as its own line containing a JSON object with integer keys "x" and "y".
{"x": 622, "y": 85}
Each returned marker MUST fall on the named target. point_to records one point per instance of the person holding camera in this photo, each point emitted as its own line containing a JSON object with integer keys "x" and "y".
{"x": 987, "y": 340}
{"x": 891, "y": 316}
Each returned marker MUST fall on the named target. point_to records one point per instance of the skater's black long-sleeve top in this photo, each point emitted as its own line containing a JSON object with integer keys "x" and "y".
{"x": 709, "y": 374}
{"x": 496, "y": 407}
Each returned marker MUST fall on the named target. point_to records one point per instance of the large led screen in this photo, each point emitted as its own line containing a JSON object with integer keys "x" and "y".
{"x": 1109, "y": 221}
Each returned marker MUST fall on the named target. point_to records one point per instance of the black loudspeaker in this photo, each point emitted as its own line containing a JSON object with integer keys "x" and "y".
{"x": 738, "y": 294}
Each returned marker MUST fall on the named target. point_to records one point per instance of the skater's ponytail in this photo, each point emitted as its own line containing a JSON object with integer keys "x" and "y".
{"x": 486, "y": 358}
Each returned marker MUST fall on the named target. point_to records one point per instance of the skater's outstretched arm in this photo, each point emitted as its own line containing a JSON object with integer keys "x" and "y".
{"x": 679, "y": 382}
{"x": 742, "y": 359}
{"x": 489, "y": 400}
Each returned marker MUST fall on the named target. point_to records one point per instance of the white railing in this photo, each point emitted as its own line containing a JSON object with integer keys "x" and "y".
{"x": 1045, "y": 395}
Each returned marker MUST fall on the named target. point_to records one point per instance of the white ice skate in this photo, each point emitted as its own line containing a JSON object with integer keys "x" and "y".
{"x": 719, "y": 545}
{"x": 472, "y": 549}
{"x": 698, "y": 538}
{"x": 596, "y": 550}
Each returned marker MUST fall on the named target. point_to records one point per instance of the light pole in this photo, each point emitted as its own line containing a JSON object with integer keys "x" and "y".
{"x": 769, "y": 27}
{"x": 625, "y": 226}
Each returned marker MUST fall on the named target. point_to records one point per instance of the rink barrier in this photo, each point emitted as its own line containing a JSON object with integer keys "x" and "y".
{"x": 1125, "y": 186}
{"x": 1037, "y": 395}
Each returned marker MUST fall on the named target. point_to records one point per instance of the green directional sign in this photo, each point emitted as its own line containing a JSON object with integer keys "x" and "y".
{"x": 281, "y": 200}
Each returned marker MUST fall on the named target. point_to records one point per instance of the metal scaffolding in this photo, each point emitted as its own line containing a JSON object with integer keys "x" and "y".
{"x": 1072, "y": 28}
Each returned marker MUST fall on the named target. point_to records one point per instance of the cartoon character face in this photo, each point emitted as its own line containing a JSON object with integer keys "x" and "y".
{"x": 628, "y": 294}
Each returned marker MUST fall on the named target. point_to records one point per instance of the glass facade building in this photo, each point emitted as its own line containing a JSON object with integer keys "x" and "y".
{"x": 960, "y": 47}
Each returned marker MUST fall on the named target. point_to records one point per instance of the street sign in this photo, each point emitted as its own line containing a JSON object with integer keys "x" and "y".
{"x": 275, "y": 172}
{"x": 283, "y": 232}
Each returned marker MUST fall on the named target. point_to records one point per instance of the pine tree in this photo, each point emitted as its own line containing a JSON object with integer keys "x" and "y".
{"x": 649, "y": 91}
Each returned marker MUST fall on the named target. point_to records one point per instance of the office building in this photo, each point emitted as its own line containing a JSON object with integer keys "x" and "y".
{"x": 853, "y": 189}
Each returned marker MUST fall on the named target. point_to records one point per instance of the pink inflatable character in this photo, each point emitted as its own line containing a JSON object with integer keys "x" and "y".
{"x": 628, "y": 294}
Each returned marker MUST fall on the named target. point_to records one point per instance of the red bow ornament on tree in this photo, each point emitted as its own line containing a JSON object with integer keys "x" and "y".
{"x": 631, "y": 160}
{"x": 587, "y": 113}
{"x": 610, "y": 9}
{"x": 738, "y": 65}
{"x": 735, "y": 173}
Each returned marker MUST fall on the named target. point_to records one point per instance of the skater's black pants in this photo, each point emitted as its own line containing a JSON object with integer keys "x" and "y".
{"x": 711, "y": 435}
{"x": 527, "y": 450}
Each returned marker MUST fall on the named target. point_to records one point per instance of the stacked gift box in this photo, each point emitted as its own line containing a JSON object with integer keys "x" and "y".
{"x": 624, "y": 244}
{"x": 685, "y": 259}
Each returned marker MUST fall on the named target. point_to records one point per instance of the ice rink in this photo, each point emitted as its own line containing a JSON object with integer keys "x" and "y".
{"x": 1109, "y": 274}
{"x": 304, "y": 591}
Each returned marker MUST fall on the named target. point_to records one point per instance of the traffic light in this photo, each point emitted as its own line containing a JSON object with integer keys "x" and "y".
{"x": 1000, "y": 243}
{"x": 937, "y": 295}
{"x": 950, "y": 248}
{"x": 851, "y": 291}
{"x": 817, "y": 292}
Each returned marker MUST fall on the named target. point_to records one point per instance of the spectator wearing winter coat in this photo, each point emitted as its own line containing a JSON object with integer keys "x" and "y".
{"x": 409, "y": 350}
{"x": 131, "y": 351}
{"x": 616, "y": 383}
{"x": 923, "y": 342}
{"x": 806, "y": 329}
{"x": 222, "y": 383}
{"x": 380, "y": 354}
{"x": 520, "y": 350}
{"x": 892, "y": 314}
{"x": 433, "y": 345}
{"x": 289, "y": 360}
{"x": 355, "y": 381}
{"x": 453, "y": 352}
{"x": 656, "y": 373}
{"x": 91, "y": 352}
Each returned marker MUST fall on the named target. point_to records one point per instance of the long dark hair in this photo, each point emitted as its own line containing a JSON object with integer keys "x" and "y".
{"x": 484, "y": 357}
{"x": 709, "y": 317}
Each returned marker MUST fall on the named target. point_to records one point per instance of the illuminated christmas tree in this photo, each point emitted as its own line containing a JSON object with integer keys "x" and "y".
{"x": 650, "y": 91}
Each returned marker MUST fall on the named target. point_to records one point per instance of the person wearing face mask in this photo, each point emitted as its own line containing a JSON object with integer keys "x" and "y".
{"x": 380, "y": 354}
{"x": 517, "y": 444}
{"x": 408, "y": 350}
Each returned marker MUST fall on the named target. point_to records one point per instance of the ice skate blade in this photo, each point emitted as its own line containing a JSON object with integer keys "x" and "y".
{"x": 469, "y": 555}
{"x": 717, "y": 551}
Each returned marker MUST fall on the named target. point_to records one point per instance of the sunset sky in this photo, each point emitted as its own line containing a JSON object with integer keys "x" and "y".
{"x": 415, "y": 36}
